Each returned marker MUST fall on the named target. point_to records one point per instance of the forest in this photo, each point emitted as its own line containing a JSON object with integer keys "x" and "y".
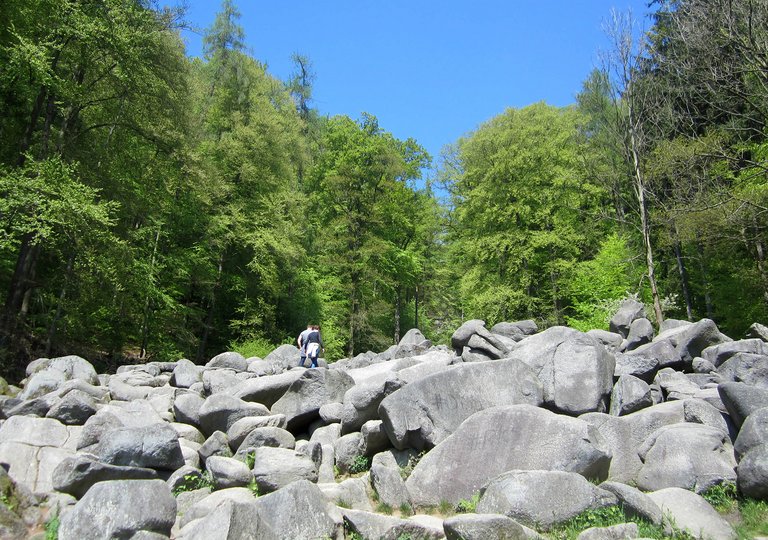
{"x": 155, "y": 206}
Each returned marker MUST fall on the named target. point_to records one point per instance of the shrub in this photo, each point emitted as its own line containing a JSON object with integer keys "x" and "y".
{"x": 468, "y": 506}
{"x": 384, "y": 508}
{"x": 194, "y": 481}
{"x": 406, "y": 509}
{"x": 360, "y": 464}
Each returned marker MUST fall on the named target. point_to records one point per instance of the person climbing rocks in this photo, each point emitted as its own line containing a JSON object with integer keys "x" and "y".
{"x": 314, "y": 345}
{"x": 301, "y": 342}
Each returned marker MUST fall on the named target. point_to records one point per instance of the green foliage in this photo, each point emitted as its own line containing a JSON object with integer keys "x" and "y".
{"x": 250, "y": 460}
{"x": 406, "y": 509}
{"x": 193, "y": 482}
{"x": 597, "y": 286}
{"x": 445, "y": 508}
{"x": 258, "y": 347}
{"x": 360, "y": 464}
{"x": 468, "y": 506}
{"x": 253, "y": 487}
{"x": 343, "y": 504}
{"x": 722, "y": 497}
{"x": 754, "y": 519}
{"x": 607, "y": 517}
{"x": 52, "y": 528}
{"x": 406, "y": 470}
{"x": 384, "y": 508}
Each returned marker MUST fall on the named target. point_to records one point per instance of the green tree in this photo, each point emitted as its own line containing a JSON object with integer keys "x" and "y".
{"x": 520, "y": 214}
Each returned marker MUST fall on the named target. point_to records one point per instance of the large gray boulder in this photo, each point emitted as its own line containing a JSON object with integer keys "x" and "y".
{"x": 745, "y": 367}
{"x": 629, "y": 395}
{"x": 185, "y": 374}
{"x": 640, "y": 333}
{"x": 299, "y": 511}
{"x": 350, "y": 493}
{"x": 302, "y": 400}
{"x": 153, "y": 447}
{"x": 389, "y": 485}
{"x": 688, "y": 456}
{"x": 473, "y": 335}
{"x": 266, "y": 436}
{"x": 414, "y": 337}
{"x": 758, "y": 331}
{"x": 720, "y": 353}
{"x": 483, "y": 527}
{"x": 228, "y": 360}
{"x": 542, "y": 498}
{"x": 275, "y": 468}
{"x": 575, "y": 370}
{"x": 629, "y": 311}
{"x": 33, "y": 447}
{"x": 634, "y": 502}
{"x": 285, "y": 357}
{"x": 268, "y": 389}
{"x": 499, "y": 439}
{"x": 75, "y": 475}
{"x": 48, "y": 374}
{"x": 690, "y": 340}
{"x": 186, "y": 408}
{"x": 74, "y": 409}
{"x": 120, "y": 509}
{"x": 220, "y": 411}
{"x": 516, "y": 331}
{"x": 204, "y": 506}
{"x": 425, "y": 412}
{"x": 741, "y": 400}
{"x": 753, "y": 473}
{"x": 230, "y": 520}
{"x": 361, "y": 402}
{"x": 240, "y": 429}
{"x": 625, "y": 434}
{"x": 753, "y": 432}
{"x": 228, "y": 472}
{"x": 689, "y": 512}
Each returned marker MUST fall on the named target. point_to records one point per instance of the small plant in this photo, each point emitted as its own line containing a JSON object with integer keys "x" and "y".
{"x": 405, "y": 536}
{"x": 52, "y": 528}
{"x": 193, "y": 482}
{"x": 360, "y": 464}
{"x": 445, "y": 507}
{"x": 384, "y": 508}
{"x": 352, "y": 535}
{"x": 406, "y": 471}
{"x": 406, "y": 509}
{"x": 341, "y": 503}
{"x": 254, "y": 487}
{"x": 250, "y": 460}
{"x": 468, "y": 506}
{"x": 722, "y": 497}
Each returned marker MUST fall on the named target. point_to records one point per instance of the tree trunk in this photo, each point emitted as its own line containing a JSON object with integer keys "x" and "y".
{"x": 416, "y": 308}
{"x": 21, "y": 284}
{"x": 148, "y": 302}
{"x": 683, "y": 272}
{"x": 645, "y": 224}
{"x": 59, "y": 304}
{"x": 705, "y": 281}
{"x": 397, "y": 316}
{"x": 209, "y": 317}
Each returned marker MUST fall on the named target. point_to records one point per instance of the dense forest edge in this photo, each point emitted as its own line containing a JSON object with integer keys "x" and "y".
{"x": 155, "y": 206}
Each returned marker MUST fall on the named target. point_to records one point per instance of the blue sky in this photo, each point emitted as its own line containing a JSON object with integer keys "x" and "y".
{"x": 431, "y": 70}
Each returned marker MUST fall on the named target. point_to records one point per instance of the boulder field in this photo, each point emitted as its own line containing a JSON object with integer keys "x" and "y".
{"x": 524, "y": 428}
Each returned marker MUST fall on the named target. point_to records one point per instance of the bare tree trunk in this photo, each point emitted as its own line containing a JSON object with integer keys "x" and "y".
{"x": 705, "y": 280}
{"x": 397, "y": 316}
{"x": 416, "y": 308}
{"x": 147, "y": 302}
{"x": 683, "y": 272}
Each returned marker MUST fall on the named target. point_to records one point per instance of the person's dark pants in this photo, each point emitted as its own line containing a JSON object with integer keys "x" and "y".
{"x": 303, "y": 359}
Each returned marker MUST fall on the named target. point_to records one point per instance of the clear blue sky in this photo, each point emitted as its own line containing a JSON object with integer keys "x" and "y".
{"x": 431, "y": 70}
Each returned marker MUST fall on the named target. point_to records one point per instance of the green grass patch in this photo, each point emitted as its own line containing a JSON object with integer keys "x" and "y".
{"x": 384, "y": 508}
{"x": 607, "y": 517}
{"x": 52, "y": 528}
{"x": 754, "y": 519}
{"x": 468, "y": 506}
